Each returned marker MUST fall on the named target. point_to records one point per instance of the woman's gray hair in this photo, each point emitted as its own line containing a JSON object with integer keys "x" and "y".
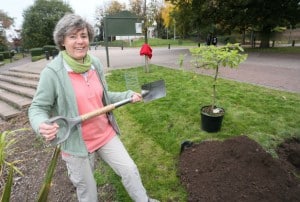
{"x": 67, "y": 25}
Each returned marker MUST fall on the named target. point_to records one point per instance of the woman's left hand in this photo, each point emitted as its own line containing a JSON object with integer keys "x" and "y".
{"x": 136, "y": 97}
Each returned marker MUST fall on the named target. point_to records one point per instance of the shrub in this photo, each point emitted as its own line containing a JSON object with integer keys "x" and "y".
{"x": 3, "y": 47}
{"x": 7, "y": 148}
{"x": 36, "y": 52}
{"x": 1, "y": 57}
{"x": 6, "y": 54}
{"x": 50, "y": 48}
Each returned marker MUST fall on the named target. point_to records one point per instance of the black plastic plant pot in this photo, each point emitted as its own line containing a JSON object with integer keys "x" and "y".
{"x": 211, "y": 122}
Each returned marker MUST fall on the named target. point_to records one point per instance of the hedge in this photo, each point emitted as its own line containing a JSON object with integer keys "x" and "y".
{"x": 6, "y": 54}
{"x": 36, "y": 52}
{"x": 51, "y": 49}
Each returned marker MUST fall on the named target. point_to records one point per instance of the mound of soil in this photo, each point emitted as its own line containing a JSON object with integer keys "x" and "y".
{"x": 239, "y": 169}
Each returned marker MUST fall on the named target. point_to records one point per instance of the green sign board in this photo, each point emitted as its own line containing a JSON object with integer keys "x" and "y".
{"x": 122, "y": 24}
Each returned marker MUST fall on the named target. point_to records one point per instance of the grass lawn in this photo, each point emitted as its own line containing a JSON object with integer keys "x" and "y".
{"x": 287, "y": 49}
{"x": 154, "y": 131}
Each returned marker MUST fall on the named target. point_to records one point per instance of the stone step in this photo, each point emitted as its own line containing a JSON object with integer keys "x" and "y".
{"x": 25, "y": 75}
{"x": 18, "y": 84}
{"x": 19, "y": 81}
{"x": 27, "y": 70}
{"x": 18, "y": 101}
{"x": 7, "y": 111}
{"x": 17, "y": 89}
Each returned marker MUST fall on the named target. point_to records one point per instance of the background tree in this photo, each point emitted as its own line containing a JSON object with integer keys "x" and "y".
{"x": 182, "y": 16}
{"x": 5, "y": 23}
{"x": 6, "y": 20}
{"x": 154, "y": 13}
{"x": 114, "y": 7}
{"x": 154, "y": 9}
{"x": 160, "y": 27}
{"x": 244, "y": 15}
{"x": 40, "y": 20}
{"x": 263, "y": 16}
{"x": 100, "y": 14}
{"x": 166, "y": 14}
{"x": 166, "y": 18}
{"x": 136, "y": 7}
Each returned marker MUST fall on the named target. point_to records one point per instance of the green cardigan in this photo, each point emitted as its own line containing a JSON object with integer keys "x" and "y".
{"x": 55, "y": 97}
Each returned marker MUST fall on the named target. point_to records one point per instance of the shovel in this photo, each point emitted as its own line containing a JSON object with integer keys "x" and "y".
{"x": 150, "y": 91}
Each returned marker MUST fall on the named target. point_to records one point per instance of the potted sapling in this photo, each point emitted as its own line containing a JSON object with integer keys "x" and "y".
{"x": 215, "y": 57}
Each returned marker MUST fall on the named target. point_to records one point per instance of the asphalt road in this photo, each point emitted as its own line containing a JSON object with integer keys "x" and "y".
{"x": 273, "y": 70}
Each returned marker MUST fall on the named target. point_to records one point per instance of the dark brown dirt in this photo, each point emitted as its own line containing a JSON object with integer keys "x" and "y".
{"x": 239, "y": 169}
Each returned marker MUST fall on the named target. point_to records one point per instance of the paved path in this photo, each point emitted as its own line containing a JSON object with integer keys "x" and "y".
{"x": 278, "y": 71}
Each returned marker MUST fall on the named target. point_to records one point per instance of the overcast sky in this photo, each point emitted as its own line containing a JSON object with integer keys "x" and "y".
{"x": 85, "y": 8}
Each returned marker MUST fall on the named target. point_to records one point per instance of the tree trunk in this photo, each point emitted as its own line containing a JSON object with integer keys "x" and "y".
{"x": 244, "y": 37}
{"x": 214, "y": 89}
{"x": 265, "y": 37}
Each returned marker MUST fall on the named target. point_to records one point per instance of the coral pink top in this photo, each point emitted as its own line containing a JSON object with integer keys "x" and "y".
{"x": 96, "y": 131}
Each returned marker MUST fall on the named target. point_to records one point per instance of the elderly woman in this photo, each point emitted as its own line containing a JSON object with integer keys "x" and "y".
{"x": 71, "y": 85}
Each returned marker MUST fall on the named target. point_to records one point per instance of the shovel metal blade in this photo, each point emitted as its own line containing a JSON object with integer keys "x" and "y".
{"x": 154, "y": 90}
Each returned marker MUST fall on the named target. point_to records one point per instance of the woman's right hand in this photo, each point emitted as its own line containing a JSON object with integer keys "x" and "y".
{"x": 48, "y": 131}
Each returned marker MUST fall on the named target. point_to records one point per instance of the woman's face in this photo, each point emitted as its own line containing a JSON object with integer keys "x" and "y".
{"x": 77, "y": 44}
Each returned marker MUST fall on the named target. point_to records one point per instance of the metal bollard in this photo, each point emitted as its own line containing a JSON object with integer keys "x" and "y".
{"x": 11, "y": 55}
{"x": 47, "y": 55}
{"x": 169, "y": 46}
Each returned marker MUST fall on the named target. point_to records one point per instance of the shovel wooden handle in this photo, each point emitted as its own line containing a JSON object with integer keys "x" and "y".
{"x": 97, "y": 112}
{"x": 104, "y": 110}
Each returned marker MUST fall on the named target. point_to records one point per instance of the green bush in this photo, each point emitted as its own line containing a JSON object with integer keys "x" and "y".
{"x": 6, "y": 54}
{"x": 7, "y": 147}
{"x": 3, "y": 47}
{"x": 50, "y": 48}
{"x": 1, "y": 57}
{"x": 36, "y": 52}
